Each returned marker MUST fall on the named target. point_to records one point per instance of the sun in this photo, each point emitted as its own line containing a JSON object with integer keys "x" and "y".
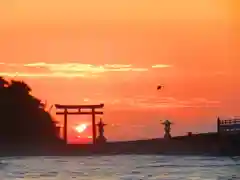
{"x": 81, "y": 128}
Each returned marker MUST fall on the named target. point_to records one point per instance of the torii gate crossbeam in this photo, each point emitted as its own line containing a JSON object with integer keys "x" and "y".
{"x": 79, "y": 111}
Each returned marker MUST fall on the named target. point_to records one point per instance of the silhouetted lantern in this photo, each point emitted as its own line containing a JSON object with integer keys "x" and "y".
{"x": 167, "y": 128}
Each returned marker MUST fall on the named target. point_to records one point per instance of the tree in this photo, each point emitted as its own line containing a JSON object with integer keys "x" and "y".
{"x": 3, "y": 82}
{"x": 23, "y": 117}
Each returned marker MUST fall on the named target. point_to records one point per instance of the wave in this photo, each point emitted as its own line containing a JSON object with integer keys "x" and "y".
{"x": 188, "y": 166}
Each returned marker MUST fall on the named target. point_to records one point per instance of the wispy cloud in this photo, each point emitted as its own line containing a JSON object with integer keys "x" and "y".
{"x": 161, "y": 66}
{"x": 41, "y": 69}
{"x": 153, "y": 102}
{"x": 170, "y": 102}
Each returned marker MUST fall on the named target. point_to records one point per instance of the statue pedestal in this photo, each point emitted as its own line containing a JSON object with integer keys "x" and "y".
{"x": 101, "y": 140}
{"x": 167, "y": 136}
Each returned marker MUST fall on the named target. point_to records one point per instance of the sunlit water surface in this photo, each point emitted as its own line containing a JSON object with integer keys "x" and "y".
{"x": 127, "y": 167}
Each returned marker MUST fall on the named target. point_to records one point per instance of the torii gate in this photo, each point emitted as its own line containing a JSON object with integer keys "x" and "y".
{"x": 79, "y": 111}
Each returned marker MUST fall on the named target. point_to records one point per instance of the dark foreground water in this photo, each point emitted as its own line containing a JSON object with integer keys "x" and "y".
{"x": 119, "y": 167}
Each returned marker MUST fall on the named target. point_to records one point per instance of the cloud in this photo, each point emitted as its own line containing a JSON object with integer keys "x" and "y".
{"x": 43, "y": 75}
{"x": 161, "y": 66}
{"x": 165, "y": 102}
{"x": 87, "y": 68}
{"x": 66, "y": 70}
{"x": 151, "y": 102}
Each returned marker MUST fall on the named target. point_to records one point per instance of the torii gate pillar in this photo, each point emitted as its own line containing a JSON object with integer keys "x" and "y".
{"x": 79, "y": 111}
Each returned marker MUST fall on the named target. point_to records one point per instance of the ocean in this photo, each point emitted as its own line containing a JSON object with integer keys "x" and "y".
{"x": 120, "y": 167}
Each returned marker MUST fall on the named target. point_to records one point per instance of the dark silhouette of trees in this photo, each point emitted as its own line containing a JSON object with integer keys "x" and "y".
{"x": 23, "y": 118}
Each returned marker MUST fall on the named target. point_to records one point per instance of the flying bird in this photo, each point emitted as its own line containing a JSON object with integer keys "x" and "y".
{"x": 159, "y": 87}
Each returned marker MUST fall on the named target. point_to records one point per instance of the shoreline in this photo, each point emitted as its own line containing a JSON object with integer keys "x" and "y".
{"x": 211, "y": 144}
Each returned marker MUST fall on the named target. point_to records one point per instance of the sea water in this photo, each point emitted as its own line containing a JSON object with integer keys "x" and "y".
{"x": 120, "y": 167}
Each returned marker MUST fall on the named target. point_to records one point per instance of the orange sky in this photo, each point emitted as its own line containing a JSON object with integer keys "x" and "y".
{"x": 117, "y": 52}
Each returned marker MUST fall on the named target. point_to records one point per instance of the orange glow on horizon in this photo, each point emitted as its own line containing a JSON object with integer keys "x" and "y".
{"x": 117, "y": 52}
{"x": 81, "y": 128}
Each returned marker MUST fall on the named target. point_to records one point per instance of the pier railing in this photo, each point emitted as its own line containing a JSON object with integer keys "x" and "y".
{"x": 228, "y": 125}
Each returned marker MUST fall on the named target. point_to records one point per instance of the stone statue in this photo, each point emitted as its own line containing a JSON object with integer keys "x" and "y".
{"x": 101, "y": 138}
